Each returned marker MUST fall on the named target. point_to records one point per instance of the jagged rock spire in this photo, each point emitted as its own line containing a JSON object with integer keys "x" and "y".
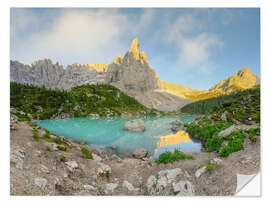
{"x": 134, "y": 49}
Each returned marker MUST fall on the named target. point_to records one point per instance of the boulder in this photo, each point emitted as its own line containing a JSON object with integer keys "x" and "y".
{"x": 17, "y": 157}
{"x": 169, "y": 182}
{"x": 97, "y": 158}
{"x": 223, "y": 116}
{"x": 40, "y": 182}
{"x": 104, "y": 170}
{"x": 94, "y": 116}
{"x": 183, "y": 188}
{"x": 129, "y": 186}
{"x": 140, "y": 153}
{"x": 89, "y": 187}
{"x": 227, "y": 131}
{"x": 216, "y": 161}
{"x": 116, "y": 158}
{"x": 71, "y": 165}
{"x": 44, "y": 169}
{"x": 136, "y": 125}
{"x": 13, "y": 118}
{"x": 177, "y": 125}
{"x": 200, "y": 171}
{"x": 110, "y": 187}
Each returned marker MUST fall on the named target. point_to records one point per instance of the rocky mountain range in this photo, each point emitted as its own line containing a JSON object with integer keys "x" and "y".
{"x": 132, "y": 74}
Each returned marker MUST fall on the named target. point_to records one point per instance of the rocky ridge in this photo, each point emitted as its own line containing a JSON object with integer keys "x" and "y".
{"x": 131, "y": 73}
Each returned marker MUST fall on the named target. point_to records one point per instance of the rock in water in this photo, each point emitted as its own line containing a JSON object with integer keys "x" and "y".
{"x": 177, "y": 125}
{"x": 135, "y": 125}
{"x": 140, "y": 153}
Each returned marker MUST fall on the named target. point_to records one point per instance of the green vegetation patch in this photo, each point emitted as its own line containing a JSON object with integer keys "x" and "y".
{"x": 170, "y": 157}
{"x": 63, "y": 158}
{"x": 232, "y": 103}
{"x": 209, "y": 166}
{"x": 35, "y": 135}
{"x": 235, "y": 143}
{"x": 87, "y": 153}
{"x": 62, "y": 147}
{"x": 82, "y": 101}
{"x": 208, "y": 133}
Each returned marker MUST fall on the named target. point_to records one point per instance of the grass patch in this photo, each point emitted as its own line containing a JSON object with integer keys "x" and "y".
{"x": 252, "y": 132}
{"x": 87, "y": 153}
{"x": 35, "y": 135}
{"x": 47, "y": 138}
{"x": 209, "y": 166}
{"x": 170, "y": 157}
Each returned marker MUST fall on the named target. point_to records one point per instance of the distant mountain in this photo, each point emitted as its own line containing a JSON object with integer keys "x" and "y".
{"x": 242, "y": 80}
{"x": 132, "y": 74}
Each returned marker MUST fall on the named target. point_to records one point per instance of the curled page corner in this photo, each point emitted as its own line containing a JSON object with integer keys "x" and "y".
{"x": 248, "y": 185}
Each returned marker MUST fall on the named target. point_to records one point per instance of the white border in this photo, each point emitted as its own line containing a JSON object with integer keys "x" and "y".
{"x": 265, "y": 75}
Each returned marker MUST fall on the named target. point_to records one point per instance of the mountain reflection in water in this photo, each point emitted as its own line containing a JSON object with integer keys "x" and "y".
{"x": 181, "y": 141}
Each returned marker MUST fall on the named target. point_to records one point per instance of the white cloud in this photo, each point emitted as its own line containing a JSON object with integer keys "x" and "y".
{"x": 73, "y": 32}
{"x": 199, "y": 49}
{"x": 97, "y": 35}
{"x": 195, "y": 47}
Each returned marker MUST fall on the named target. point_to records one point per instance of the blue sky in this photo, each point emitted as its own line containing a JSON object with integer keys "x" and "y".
{"x": 195, "y": 47}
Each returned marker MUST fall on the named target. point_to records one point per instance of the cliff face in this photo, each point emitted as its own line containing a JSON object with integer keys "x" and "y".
{"x": 45, "y": 73}
{"x": 133, "y": 73}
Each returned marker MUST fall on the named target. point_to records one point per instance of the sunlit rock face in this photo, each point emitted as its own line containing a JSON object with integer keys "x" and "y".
{"x": 242, "y": 80}
{"x": 173, "y": 139}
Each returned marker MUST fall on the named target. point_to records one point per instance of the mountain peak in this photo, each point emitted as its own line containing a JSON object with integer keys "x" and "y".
{"x": 117, "y": 59}
{"x": 244, "y": 71}
{"x": 134, "y": 49}
{"x": 241, "y": 80}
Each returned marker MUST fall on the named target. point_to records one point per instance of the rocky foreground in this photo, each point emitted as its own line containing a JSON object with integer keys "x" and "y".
{"x": 42, "y": 168}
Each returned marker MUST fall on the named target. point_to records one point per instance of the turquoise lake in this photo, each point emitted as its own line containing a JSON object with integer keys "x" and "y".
{"x": 103, "y": 132}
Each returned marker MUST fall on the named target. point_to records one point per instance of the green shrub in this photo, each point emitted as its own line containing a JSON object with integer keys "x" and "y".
{"x": 87, "y": 153}
{"x": 58, "y": 140}
{"x": 62, "y": 147}
{"x": 63, "y": 158}
{"x": 170, "y": 157}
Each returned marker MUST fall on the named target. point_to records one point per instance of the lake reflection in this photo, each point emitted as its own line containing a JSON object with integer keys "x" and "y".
{"x": 181, "y": 141}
